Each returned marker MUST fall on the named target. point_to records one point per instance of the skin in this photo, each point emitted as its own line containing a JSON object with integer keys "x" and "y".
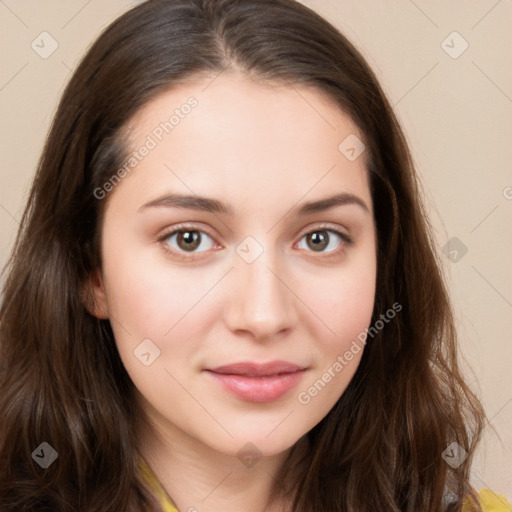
{"x": 264, "y": 150}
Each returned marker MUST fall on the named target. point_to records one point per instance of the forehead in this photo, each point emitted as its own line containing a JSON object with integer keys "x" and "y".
{"x": 246, "y": 139}
{"x": 231, "y": 100}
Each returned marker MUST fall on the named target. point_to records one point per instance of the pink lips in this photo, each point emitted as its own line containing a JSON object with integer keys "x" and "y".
{"x": 255, "y": 382}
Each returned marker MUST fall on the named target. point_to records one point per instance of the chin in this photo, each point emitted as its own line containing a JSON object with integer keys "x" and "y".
{"x": 256, "y": 444}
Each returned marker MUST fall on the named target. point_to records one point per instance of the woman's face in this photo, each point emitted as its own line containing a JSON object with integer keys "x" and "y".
{"x": 234, "y": 329}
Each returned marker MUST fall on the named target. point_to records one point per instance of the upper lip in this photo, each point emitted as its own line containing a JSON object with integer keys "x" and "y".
{"x": 251, "y": 369}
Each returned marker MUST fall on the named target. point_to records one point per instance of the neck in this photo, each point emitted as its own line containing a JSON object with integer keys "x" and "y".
{"x": 200, "y": 478}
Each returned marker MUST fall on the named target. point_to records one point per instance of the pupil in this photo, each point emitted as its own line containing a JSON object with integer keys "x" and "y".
{"x": 319, "y": 239}
{"x": 191, "y": 239}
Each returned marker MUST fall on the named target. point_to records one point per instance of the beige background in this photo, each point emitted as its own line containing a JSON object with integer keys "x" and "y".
{"x": 457, "y": 113}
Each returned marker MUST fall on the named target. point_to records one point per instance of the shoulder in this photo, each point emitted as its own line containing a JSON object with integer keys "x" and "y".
{"x": 489, "y": 501}
{"x": 164, "y": 501}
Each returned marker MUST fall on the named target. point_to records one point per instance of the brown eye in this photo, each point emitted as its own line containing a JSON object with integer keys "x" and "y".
{"x": 188, "y": 241}
{"x": 321, "y": 239}
{"x": 317, "y": 240}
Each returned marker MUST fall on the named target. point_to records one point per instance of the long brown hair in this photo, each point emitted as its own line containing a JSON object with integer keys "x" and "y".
{"x": 61, "y": 378}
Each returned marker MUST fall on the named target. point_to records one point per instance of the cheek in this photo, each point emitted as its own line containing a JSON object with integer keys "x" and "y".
{"x": 154, "y": 310}
{"x": 150, "y": 298}
{"x": 167, "y": 304}
{"x": 344, "y": 304}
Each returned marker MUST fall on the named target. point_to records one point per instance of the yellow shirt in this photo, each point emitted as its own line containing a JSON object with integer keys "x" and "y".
{"x": 159, "y": 493}
{"x": 490, "y": 501}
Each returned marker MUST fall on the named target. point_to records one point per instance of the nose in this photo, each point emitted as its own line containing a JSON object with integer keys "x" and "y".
{"x": 262, "y": 302}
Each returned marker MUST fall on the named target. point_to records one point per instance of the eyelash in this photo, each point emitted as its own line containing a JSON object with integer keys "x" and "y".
{"x": 346, "y": 240}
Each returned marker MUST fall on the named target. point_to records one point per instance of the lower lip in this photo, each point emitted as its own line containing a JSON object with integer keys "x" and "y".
{"x": 259, "y": 389}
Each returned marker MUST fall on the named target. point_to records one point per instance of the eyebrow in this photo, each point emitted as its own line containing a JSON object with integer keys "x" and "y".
{"x": 327, "y": 203}
{"x": 206, "y": 204}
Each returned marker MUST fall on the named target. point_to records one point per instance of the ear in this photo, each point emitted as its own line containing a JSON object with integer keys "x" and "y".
{"x": 94, "y": 297}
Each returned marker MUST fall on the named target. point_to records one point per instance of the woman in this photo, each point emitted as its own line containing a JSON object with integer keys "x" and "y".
{"x": 224, "y": 293}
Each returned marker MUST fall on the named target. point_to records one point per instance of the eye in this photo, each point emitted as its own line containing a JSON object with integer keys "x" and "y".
{"x": 325, "y": 241}
{"x": 184, "y": 240}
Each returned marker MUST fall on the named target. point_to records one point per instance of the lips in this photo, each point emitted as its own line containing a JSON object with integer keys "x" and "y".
{"x": 258, "y": 370}
{"x": 255, "y": 382}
